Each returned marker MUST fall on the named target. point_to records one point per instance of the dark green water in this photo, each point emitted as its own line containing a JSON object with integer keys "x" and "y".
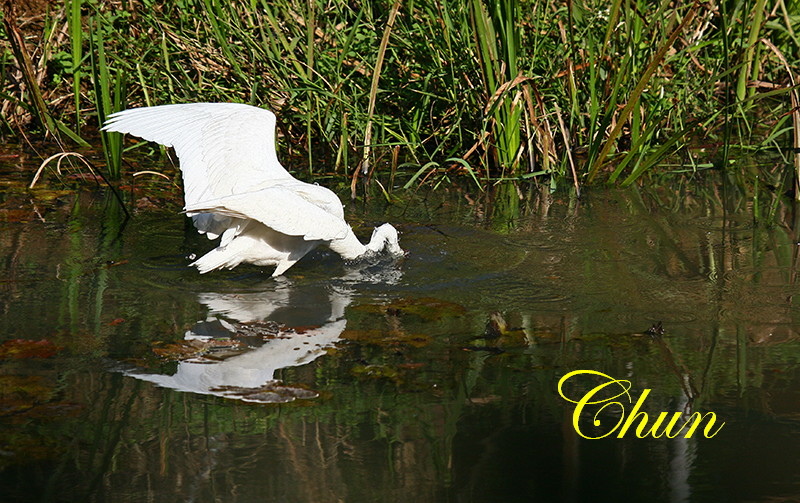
{"x": 436, "y": 376}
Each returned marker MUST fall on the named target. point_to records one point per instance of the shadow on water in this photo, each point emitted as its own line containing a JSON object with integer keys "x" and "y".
{"x": 126, "y": 376}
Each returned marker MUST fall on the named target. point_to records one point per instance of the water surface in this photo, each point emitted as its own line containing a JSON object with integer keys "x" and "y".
{"x": 127, "y": 376}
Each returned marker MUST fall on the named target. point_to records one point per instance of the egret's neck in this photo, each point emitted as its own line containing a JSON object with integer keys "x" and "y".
{"x": 349, "y": 247}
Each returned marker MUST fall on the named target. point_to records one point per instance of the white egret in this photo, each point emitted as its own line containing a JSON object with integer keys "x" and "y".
{"x": 235, "y": 187}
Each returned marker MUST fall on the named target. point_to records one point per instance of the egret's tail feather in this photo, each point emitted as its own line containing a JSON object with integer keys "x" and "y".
{"x": 215, "y": 259}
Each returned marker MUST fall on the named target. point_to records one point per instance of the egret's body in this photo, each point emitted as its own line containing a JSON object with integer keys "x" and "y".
{"x": 236, "y": 189}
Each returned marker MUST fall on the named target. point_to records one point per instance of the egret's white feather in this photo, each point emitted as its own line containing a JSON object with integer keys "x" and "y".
{"x": 211, "y": 225}
{"x": 269, "y": 206}
{"x": 235, "y": 187}
{"x": 210, "y": 139}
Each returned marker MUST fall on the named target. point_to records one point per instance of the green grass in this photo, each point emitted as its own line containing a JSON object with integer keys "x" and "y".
{"x": 562, "y": 92}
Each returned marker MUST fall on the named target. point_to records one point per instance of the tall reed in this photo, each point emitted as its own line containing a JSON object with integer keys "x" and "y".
{"x": 494, "y": 90}
{"x": 497, "y": 45}
{"x": 75, "y": 25}
{"x": 109, "y": 94}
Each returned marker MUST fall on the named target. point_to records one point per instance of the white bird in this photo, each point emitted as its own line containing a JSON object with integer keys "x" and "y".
{"x": 235, "y": 187}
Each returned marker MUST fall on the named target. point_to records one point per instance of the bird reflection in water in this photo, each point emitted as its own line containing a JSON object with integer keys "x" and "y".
{"x": 258, "y": 322}
{"x": 251, "y": 348}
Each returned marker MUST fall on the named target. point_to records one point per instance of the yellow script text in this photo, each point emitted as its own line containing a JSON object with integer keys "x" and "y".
{"x": 610, "y": 396}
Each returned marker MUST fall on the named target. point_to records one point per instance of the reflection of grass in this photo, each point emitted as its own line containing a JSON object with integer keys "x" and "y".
{"x": 389, "y": 409}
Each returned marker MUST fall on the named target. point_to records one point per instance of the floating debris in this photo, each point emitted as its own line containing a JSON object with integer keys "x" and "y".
{"x": 270, "y": 392}
{"x": 197, "y": 348}
{"x": 390, "y": 338}
{"x": 656, "y": 329}
{"x": 499, "y": 333}
{"x": 487, "y": 349}
{"x": 24, "y": 348}
{"x": 376, "y": 372}
{"x": 427, "y": 308}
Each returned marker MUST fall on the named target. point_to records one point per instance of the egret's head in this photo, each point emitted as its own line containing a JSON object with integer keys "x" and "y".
{"x": 387, "y": 236}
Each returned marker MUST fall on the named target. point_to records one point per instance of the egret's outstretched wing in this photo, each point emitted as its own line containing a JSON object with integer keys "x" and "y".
{"x": 224, "y": 148}
{"x": 280, "y": 209}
